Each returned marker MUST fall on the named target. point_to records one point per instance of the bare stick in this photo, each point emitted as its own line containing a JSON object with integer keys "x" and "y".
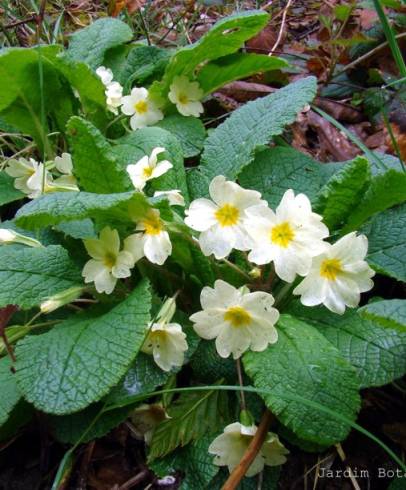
{"x": 278, "y": 40}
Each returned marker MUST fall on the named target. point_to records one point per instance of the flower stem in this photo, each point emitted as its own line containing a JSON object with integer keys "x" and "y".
{"x": 251, "y": 453}
{"x": 241, "y": 383}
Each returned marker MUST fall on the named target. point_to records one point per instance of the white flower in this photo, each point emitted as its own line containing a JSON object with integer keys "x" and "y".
{"x": 143, "y": 110}
{"x": 237, "y": 319}
{"x": 167, "y": 343}
{"x": 230, "y": 447}
{"x": 11, "y": 236}
{"x": 148, "y": 168}
{"x": 105, "y": 74}
{"x": 153, "y": 243}
{"x": 107, "y": 263}
{"x": 64, "y": 163}
{"x": 222, "y": 221}
{"x": 186, "y": 95}
{"x": 22, "y": 169}
{"x": 338, "y": 275}
{"x": 289, "y": 237}
{"x": 174, "y": 197}
{"x": 40, "y": 182}
{"x": 114, "y": 94}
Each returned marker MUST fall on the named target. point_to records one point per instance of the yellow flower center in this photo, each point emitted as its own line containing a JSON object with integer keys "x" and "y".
{"x": 110, "y": 260}
{"x": 147, "y": 172}
{"x": 237, "y": 316}
{"x": 183, "y": 98}
{"x": 330, "y": 268}
{"x": 227, "y": 215}
{"x": 141, "y": 107}
{"x": 282, "y": 234}
{"x": 153, "y": 224}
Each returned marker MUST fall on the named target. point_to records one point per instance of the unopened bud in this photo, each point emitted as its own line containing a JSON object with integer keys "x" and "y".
{"x": 167, "y": 311}
{"x": 246, "y": 418}
{"x": 11, "y": 236}
{"x": 61, "y": 299}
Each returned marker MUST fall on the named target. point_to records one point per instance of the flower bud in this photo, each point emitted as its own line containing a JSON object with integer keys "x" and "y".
{"x": 167, "y": 311}
{"x": 60, "y": 299}
{"x": 246, "y": 418}
{"x": 11, "y": 236}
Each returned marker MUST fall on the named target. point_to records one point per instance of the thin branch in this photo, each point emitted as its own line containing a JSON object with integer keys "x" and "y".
{"x": 278, "y": 40}
{"x": 251, "y": 453}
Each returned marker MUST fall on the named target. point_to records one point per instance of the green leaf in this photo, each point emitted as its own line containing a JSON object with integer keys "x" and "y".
{"x": 386, "y": 190}
{"x": 192, "y": 416}
{"x": 194, "y": 461}
{"x": 208, "y": 366}
{"x": 342, "y": 192}
{"x": 10, "y": 393}
{"x": 390, "y": 313}
{"x": 235, "y": 66}
{"x": 79, "y": 229}
{"x": 277, "y": 169}
{"x": 140, "y": 65}
{"x": 190, "y": 132}
{"x": 91, "y": 43}
{"x": 97, "y": 170}
{"x": 144, "y": 376}
{"x": 134, "y": 146}
{"x": 230, "y": 147}
{"x": 80, "y": 360}
{"x": 24, "y": 71}
{"x": 30, "y": 275}
{"x": 377, "y": 353}
{"x": 386, "y": 234}
{"x": 266, "y": 480}
{"x": 304, "y": 363}
{"x": 8, "y": 193}
{"x": 59, "y": 207}
{"x": 224, "y": 38}
{"x": 69, "y": 429}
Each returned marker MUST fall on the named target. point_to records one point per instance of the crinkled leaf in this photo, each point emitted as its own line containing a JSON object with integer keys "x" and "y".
{"x": 97, "y": 170}
{"x": 59, "y": 207}
{"x": 30, "y": 275}
{"x": 79, "y": 361}
{"x": 304, "y": 363}
{"x": 235, "y": 66}
{"x": 91, "y": 43}
{"x": 342, "y": 192}
{"x": 377, "y": 353}
{"x": 189, "y": 130}
{"x": 386, "y": 190}
{"x": 8, "y": 193}
{"x": 10, "y": 394}
{"x": 192, "y": 415}
{"x": 390, "y": 313}
{"x": 193, "y": 461}
{"x": 133, "y": 147}
{"x": 386, "y": 234}
{"x": 230, "y": 147}
{"x": 277, "y": 169}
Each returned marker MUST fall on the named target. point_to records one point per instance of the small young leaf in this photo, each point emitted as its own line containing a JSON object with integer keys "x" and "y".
{"x": 342, "y": 192}
{"x": 79, "y": 361}
{"x": 30, "y": 275}
{"x": 304, "y": 363}
{"x": 192, "y": 416}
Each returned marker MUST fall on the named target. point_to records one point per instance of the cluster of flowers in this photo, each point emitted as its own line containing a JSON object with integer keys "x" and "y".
{"x": 34, "y": 178}
{"x": 144, "y": 111}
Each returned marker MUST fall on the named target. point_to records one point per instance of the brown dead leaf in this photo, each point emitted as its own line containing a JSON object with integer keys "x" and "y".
{"x": 243, "y": 91}
{"x": 131, "y": 5}
{"x": 264, "y": 41}
{"x": 333, "y": 142}
{"x": 340, "y": 110}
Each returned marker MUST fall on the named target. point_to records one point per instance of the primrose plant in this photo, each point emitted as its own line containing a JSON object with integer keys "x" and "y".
{"x": 202, "y": 287}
